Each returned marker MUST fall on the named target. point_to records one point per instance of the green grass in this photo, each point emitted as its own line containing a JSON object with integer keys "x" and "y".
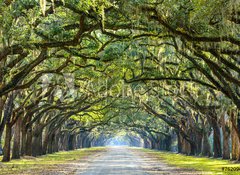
{"x": 206, "y": 165}
{"x": 46, "y": 161}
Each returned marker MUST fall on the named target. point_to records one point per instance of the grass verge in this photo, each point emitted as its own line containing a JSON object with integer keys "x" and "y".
{"x": 28, "y": 165}
{"x": 203, "y": 164}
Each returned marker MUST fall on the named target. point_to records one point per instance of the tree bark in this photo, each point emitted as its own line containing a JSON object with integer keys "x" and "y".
{"x": 226, "y": 149}
{"x": 168, "y": 142}
{"x": 2, "y": 121}
{"x": 8, "y": 136}
{"x": 37, "y": 144}
{"x": 45, "y": 141}
{"x": 24, "y": 139}
{"x": 70, "y": 142}
{"x": 80, "y": 140}
{"x": 235, "y": 145}
{"x": 186, "y": 147}
{"x": 238, "y": 131}
{"x": 216, "y": 141}
{"x": 56, "y": 141}
{"x": 234, "y": 137}
{"x": 217, "y": 149}
{"x": 50, "y": 143}
{"x": 206, "y": 148}
{"x": 29, "y": 142}
{"x": 7, "y": 144}
{"x": 65, "y": 141}
{"x": 37, "y": 139}
{"x": 198, "y": 139}
{"x": 226, "y": 136}
{"x": 179, "y": 144}
{"x": 17, "y": 139}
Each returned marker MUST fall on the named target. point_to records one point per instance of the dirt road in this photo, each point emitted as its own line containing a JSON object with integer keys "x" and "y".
{"x": 128, "y": 161}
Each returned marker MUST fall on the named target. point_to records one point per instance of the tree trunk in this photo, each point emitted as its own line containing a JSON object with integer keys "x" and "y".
{"x": 235, "y": 144}
{"x": 226, "y": 149}
{"x": 193, "y": 146}
{"x": 168, "y": 141}
{"x": 234, "y": 137}
{"x": 88, "y": 143}
{"x": 226, "y": 136}
{"x": 45, "y": 144}
{"x": 37, "y": 144}
{"x": 70, "y": 142}
{"x": 2, "y": 102}
{"x": 37, "y": 139}
{"x": 45, "y": 141}
{"x": 179, "y": 140}
{"x": 74, "y": 141}
{"x": 56, "y": 141}
{"x": 216, "y": 141}
{"x": 29, "y": 143}
{"x": 217, "y": 149}
{"x": 80, "y": 140}
{"x": 17, "y": 139}
{"x": 2, "y": 122}
{"x": 238, "y": 131}
{"x": 198, "y": 140}
{"x": 50, "y": 143}
{"x": 186, "y": 147}
{"x": 24, "y": 139}
{"x": 7, "y": 144}
{"x": 1, "y": 149}
{"x": 84, "y": 142}
{"x": 206, "y": 148}
{"x": 153, "y": 144}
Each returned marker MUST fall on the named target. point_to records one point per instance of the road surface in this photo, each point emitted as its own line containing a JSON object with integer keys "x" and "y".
{"x": 128, "y": 161}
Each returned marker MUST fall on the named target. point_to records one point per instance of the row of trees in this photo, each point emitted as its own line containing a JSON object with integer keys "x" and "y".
{"x": 74, "y": 73}
{"x": 207, "y": 59}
